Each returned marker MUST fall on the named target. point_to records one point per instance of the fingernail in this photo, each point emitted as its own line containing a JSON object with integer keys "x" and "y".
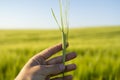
{"x": 62, "y": 67}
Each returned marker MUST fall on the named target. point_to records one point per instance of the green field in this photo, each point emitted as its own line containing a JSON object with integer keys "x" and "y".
{"x": 98, "y": 51}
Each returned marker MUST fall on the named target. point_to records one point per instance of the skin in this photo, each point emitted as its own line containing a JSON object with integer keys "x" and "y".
{"x": 40, "y": 67}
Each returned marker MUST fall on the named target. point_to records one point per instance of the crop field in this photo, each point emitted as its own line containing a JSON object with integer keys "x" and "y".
{"x": 98, "y": 51}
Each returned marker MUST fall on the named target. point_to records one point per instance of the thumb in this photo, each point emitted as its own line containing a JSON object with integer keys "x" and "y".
{"x": 53, "y": 69}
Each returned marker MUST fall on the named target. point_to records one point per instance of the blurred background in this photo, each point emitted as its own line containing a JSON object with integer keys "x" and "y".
{"x": 28, "y": 27}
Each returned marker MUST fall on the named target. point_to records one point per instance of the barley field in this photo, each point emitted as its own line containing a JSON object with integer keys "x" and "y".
{"x": 98, "y": 51}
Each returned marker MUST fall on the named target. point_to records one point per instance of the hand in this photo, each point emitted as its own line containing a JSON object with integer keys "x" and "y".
{"x": 39, "y": 67}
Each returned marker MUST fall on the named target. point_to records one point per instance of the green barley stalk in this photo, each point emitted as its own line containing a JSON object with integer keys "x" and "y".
{"x": 63, "y": 25}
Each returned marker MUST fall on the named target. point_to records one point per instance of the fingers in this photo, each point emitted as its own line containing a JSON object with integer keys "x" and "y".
{"x": 57, "y": 69}
{"x": 49, "y": 52}
{"x": 68, "y": 68}
{"x": 59, "y": 59}
{"x": 69, "y": 77}
{"x": 53, "y": 69}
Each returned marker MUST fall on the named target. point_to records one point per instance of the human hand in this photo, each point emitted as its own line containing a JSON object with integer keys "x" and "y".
{"x": 39, "y": 67}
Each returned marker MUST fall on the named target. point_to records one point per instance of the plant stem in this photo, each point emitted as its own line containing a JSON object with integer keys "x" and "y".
{"x": 64, "y": 43}
{"x": 63, "y": 26}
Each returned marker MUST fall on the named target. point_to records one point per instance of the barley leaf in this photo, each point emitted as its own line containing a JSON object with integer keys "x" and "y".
{"x": 56, "y": 19}
{"x": 61, "y": 14}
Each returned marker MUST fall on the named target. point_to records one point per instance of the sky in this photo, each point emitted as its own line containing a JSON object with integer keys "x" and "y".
{"x": 36, "y": 14}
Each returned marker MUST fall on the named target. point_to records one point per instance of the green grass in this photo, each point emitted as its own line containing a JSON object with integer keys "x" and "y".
{"x": 98, "y": 51}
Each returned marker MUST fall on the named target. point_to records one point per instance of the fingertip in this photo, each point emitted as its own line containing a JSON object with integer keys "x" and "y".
{"x": 73, "y": 66}
{"x": 75, "y": 54}
{"x": 71, "y": 56}
{"x": 70, "y": 67}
